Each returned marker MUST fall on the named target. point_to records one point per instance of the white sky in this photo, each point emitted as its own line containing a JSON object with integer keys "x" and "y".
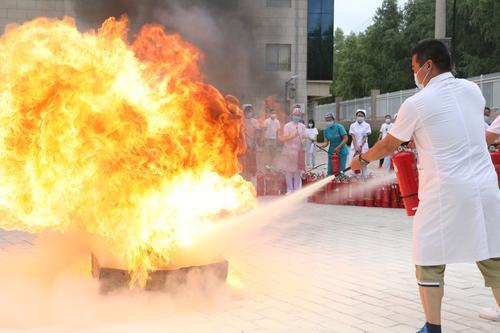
{"x": 356, "y": 15}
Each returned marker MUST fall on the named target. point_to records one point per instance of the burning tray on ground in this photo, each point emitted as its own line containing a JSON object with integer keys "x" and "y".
{"x": 116, "y": 278}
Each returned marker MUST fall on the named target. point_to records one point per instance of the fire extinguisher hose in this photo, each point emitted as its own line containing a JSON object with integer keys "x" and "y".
{"x": 323, "y": 149}
{"x": 409, "y": 195}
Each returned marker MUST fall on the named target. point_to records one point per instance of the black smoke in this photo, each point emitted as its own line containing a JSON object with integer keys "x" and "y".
{"x": 222, "y": 29}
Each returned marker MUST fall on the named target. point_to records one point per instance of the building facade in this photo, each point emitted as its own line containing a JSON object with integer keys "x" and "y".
{"x": 293, "y": 40}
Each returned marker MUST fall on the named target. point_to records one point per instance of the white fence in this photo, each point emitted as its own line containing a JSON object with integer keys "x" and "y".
{"x": 389, "y": 103}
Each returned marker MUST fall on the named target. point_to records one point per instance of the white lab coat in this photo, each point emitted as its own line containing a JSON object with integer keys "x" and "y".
{"x": 458, "y": 218}
{"x": 359, "y": 131}
{"x": 289, "y": 159}
{"x": 384, "y": 129}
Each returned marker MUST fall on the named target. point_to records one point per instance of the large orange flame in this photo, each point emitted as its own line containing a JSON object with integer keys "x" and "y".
{"x": 122, "y": 140}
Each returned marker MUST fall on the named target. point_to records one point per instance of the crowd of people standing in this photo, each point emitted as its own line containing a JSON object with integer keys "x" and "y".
{"x": 291, "y": 146}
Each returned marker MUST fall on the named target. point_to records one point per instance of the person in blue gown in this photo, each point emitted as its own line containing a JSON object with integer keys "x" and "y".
{"x": 335, "y": 138}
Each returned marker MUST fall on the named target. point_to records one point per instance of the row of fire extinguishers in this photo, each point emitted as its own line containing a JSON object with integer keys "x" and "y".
{"x": 270, "y": 182}
{"x": 345, "y": 190}
{"x": 353, "y": 192}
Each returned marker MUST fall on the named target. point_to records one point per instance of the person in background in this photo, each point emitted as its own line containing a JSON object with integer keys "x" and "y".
{"x": 294, "y": 135}
{"x": 359, "y": 131}
{"x": 312, "y": 136}
{"x": 271, "y": 126}
{"x": 335, "y": 137}
{"x": 493, "y": 132}
{"x": 249, "y": 159}
{"x": 487, "y": 115}
{"x": 384, "y": 130}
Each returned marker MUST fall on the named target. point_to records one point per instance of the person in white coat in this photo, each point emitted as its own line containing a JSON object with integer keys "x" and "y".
{"x": 458, "y": 218}
{"x": 359, "y": 131}
{"x": 293, "y": 138}
{"x": 312, "y": 136}
{"x": 493, "y": 131}
{"x": 384, "y": 130}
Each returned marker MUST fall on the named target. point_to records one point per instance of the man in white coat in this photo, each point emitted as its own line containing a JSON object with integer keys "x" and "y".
{"x": 458, "y": 218}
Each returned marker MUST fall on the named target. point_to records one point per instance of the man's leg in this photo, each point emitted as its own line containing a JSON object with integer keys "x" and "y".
{"x": 431, "y": 287}
{"x": 431, "y": 298}
{"x": 496, "y": 293}
{"x": 491, "y": 272}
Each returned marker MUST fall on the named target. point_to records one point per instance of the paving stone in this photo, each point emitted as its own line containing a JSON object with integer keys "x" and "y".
{"x": 328, "y": 269}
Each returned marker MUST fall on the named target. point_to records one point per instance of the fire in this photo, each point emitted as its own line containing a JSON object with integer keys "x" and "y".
{"x": 120, "y": 139}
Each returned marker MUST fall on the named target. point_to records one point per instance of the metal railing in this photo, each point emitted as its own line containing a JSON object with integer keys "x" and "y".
{"x": 389, "y": 103}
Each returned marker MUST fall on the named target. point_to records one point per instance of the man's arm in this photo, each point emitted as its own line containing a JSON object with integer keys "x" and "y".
{"x": 491, "y": 137}
{"x": 381, "y": 149}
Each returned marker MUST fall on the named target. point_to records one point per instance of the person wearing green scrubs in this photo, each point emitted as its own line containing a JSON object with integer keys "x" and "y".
{"x": 335, "y": 137}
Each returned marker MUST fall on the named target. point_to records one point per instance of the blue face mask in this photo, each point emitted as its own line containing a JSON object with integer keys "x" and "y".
{"x": 296, "y": 118}
{"x": 360, "y": 119}
{"x": 330, "y": 123}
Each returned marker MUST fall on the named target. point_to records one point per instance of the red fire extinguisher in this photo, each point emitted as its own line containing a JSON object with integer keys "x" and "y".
{"x": 386, "y": 196}
{"x": 394, "y": 196}
{"x": 378, "y": 197}
{"x": 405, "y": 166}
{"x": 335, "y": 164}
{"x": 360, "y": 198}
{"x": 369, "y": 198}
{"x": 495, "y": 158}
{"x": 330, "y": 192}
{"x": 343, "y": 192}
{"x": 351, "y": 199}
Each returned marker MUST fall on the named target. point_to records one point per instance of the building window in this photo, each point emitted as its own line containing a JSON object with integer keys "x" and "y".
{"x": 278, "y": 57}
{"x": 320, "y": 40}
{"x": 279, "y": 3}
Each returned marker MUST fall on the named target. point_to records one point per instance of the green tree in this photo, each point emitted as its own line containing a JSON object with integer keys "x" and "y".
{"x": 418, "y": 24}
{"x": 477, "y": 36}
{"x": 384, "y": 47}
{"x": 349, "y": 63}
{"x": 379, "y": 57}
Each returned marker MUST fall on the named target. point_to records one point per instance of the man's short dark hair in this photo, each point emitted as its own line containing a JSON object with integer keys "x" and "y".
{"x": 435, "y": 50}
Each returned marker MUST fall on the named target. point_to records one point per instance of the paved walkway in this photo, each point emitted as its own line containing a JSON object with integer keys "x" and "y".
{"x": 330, "y": 269}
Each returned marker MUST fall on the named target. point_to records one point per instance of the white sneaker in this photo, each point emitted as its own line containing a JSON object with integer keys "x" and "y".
{"x": 490, "y": 313}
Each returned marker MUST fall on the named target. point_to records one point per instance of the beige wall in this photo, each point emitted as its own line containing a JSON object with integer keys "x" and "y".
{"x": 281, "y": 26}
{"x": 318, "y": 88}
{"x": 18, "y": 11}
{"x": 276, "y": 26}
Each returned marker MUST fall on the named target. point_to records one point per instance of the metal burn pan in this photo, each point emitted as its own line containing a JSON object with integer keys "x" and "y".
{"x": 112, "y": 279}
